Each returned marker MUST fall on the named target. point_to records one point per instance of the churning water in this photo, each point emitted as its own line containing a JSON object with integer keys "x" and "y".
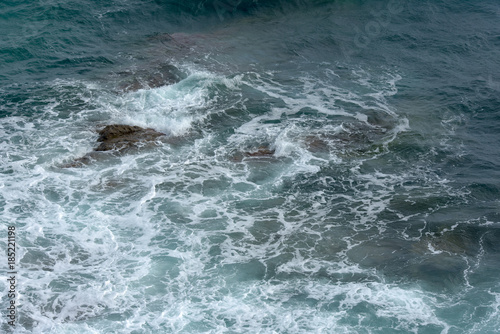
{"x": 328, "y": 166}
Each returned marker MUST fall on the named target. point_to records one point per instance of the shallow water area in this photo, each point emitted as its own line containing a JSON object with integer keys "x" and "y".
{"x": 327, "y": 167}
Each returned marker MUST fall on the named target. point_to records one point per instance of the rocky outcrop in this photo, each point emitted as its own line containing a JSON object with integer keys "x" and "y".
{"x": 260, "y": 152}
{"x": 350, "y": 139}
{"x": 120, "y": 137}
{"x": 117, "y": 138}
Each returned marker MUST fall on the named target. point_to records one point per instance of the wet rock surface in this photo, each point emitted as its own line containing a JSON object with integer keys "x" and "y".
{"x": 120, "y": 137}
{"x": 260, "y": 152}
{"x": 350, "y": 139}
{"x": 117, "y": 138}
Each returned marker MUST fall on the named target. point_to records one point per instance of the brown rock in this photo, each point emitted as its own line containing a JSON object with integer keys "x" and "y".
{"x": 261, "y": 152}
{"x": 119, "y": 137}
{"x": 317, "y": 144}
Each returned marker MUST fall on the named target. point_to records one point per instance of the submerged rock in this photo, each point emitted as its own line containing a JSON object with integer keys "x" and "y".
{"x": 155, "y": 77}
{"x": 119, "y": 137}
{"x": 80, "y": 162}
{"x": 260, "y": 152}
{"x": 317, "y": 143}
{"x": 350, "y": 139}
{"x": 188, "y": 41}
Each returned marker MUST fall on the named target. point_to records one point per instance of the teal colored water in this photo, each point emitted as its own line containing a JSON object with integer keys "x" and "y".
{"x": 328, "y": 166}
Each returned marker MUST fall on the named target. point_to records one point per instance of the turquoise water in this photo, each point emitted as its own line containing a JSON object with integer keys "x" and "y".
{"x": 378, "y": 211}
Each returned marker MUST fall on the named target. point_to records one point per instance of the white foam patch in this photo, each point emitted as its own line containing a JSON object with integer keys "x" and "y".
{"x": 169, "y": 109}
{"x": 411, "y": 309}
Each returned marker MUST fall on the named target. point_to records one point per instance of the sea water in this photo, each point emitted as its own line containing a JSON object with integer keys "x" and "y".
{"x": 374, "y": 210}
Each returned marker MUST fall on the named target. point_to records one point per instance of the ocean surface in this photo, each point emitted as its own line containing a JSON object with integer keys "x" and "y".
{"x": 328, "y": 166}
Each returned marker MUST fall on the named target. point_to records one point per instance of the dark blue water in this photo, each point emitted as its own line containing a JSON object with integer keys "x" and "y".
{"x": 329, "y": 166}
